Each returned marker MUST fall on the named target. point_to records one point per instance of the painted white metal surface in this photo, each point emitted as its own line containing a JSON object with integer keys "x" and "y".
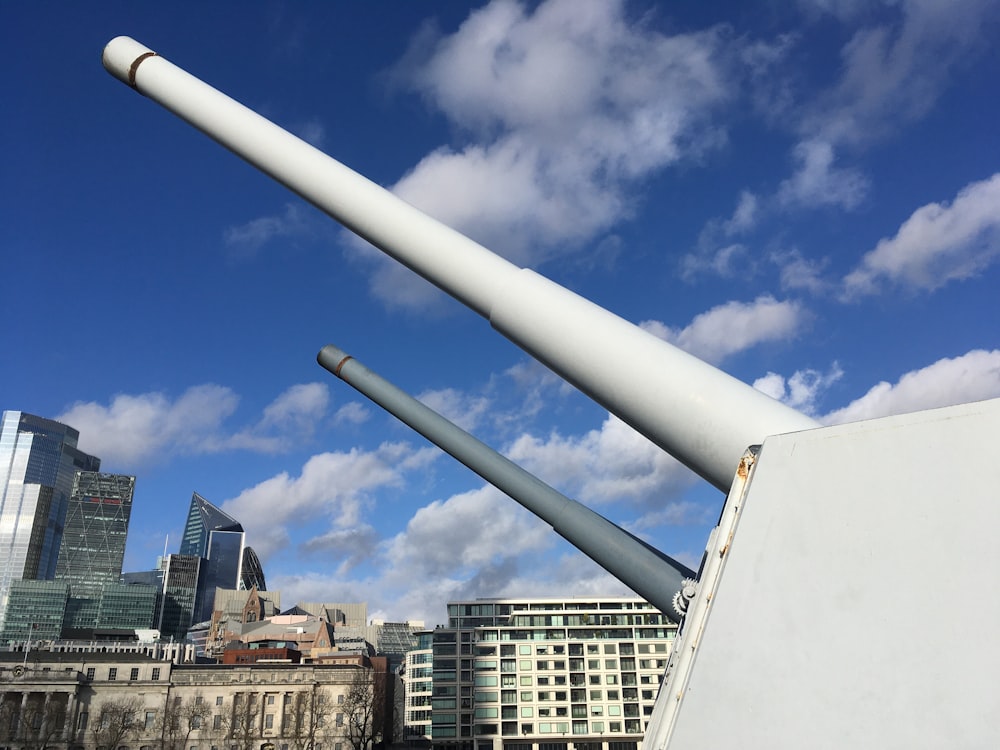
{"x": 856, "y": 603}
{"x": 700, "y": 415}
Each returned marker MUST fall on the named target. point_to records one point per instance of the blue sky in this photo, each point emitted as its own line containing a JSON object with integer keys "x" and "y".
{"x": 806, "y": 194}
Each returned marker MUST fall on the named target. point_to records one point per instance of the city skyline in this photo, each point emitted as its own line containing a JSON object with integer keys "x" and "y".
{"x": 804, "y": 195}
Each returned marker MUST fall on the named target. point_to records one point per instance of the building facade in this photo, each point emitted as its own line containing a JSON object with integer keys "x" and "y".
{"x": 180, "y": 592}
{"x": 94, "y": 534}
{"x": 218, "y": 538}
{"x": 131, "y": 702}
{"x": 538, "y": 674}
{"x": 38, "y": 462}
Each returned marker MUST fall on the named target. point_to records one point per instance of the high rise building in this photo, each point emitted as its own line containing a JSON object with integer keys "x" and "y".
{"x": 218, "y": 538}
{"x": 252, "y": 573}
{"x": 38, "y": 461}
{"x": 538, "y": 674}
{"x": 204, "y": 518}
{"x": 180, "y": 592}
{"x": 93, "y": 543}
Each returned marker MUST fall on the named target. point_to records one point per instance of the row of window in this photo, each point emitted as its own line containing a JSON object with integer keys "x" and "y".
{"x": 133, "y": 674}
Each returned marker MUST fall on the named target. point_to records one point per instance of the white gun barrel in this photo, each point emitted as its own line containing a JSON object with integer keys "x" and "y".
{"x": 700, "y": 415}
{"x": 650, "y": 573}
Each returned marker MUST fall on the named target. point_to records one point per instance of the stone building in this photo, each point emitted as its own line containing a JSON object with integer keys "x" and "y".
{"x": 92, "y": 701}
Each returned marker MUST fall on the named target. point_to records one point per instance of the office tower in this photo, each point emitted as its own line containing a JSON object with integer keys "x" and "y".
{"x": 93, "y": 543}
{"x": 204, "y": 518}
{"x": 38, "y": 460}
{"x": 252, "y": 573}
{"x": 218, "y": 538}
{"x": 180, "y": 591}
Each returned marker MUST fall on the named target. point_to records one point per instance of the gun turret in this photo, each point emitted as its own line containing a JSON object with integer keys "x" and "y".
{"x": 697, "y": 413}
{"x": 809, "y": 626}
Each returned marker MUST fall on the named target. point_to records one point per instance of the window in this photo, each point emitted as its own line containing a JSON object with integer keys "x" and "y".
{"x": 340, "y": 698}
{"x": 218, "y": 700}
{"x": 90, "y": 673}
{"x": 156, "y": 673}
{"x": 83, "y": 720}
{"x": 217, "y": 721}
{"x": 340, "y": 720}
{"x": 112, "y": 674}
{"x": 150, "y": 720}
{"x": 133, "y": 674}
{"x": 270, "y": 700}
{"x": 269, "y": 721}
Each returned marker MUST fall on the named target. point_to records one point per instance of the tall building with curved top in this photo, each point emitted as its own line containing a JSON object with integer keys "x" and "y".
{"x": 252, "y": 574}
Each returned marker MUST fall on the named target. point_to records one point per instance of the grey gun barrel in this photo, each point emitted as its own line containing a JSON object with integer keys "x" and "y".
{"x": 700, "y": 415}
{"x": 653, "y": 575}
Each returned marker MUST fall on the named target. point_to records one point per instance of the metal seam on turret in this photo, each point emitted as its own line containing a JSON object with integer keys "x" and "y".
{"x": 135, "y": 67}
{"x": 341, "y": 363}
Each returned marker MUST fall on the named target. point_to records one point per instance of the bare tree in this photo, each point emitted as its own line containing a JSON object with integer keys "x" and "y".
{"x": 42, "y": 721}
{"x": 242, "y": 724}
{"x": 180, "y": 718}
{"x": 10, "y": 708}
{"x": 364, "y": 710}
{"x": 116, "y": 722}
{"x": 309, "y": 718}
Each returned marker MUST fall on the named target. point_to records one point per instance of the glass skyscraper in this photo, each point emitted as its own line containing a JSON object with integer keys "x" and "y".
{"x": 204, "y": 518}
{"x": 93, "y": 544}
{"x": 38, "y": 461}
{"x": 218, "y": 538}
{"x": 180, "y": 590}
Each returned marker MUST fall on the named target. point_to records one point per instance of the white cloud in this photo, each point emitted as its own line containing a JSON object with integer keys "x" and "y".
{"x": 802, "y": 390}
{"x": 940, "y": 242}
{"x": 895, "y": 70}
{"x": 295, "y": 403}
{"x": 566, "y": 107}
{"x": 136, "y": 429}
{"x": 734, "y": 327}
{"x": 332, "y": 488}
{"x": 481, "y": 526}
{"x": 246, "y": 239}
{"x": 133, "y": 429}
{"x": 974, "y": 376}
{"x": 717, "y": 252}
{"x": 817, "y": 182}
{"x": 745, "y": 216}
{"x": 352, "y": 413}
{"x": 464, "y": 409}
{"x": 798, "y": 272}
{"x": 612, "y": 464}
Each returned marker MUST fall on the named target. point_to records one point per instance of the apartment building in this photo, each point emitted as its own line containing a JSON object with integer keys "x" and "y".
{"x": 538, "y": 674}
